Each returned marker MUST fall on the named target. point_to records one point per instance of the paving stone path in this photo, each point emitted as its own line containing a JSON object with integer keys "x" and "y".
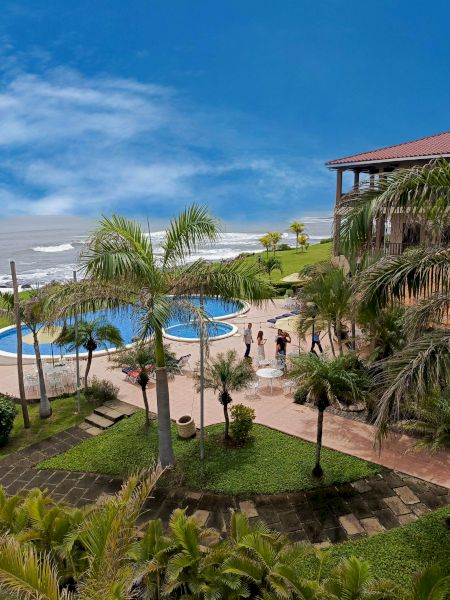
{"x": 322, "y": 516}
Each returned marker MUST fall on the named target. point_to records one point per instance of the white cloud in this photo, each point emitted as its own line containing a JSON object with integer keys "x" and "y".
{"x": 70, "y": 144}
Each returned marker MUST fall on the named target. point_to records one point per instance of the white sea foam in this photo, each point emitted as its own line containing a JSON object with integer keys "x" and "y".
{"x": 51, "y": 249}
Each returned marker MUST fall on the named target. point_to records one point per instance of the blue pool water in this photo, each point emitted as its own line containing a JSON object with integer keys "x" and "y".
{"x": 191, "y": 330}
{"x": 125, "y": 320}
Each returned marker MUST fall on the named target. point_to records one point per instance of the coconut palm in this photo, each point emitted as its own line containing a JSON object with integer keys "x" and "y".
{"x": 303, "y": 241}
{"x": 339, "y": 380}
{"x": 123, "y": 269}
{"x": 91, "y": 335}
{"x": 297, "y": 228}
{"x": 272, "y": 264}
{"x": 265, "y": 241}
{"x": 35, "y": 316}
{"x": 226, "y": 374}
{"x": 142, "y": 356}
{"x": 275, "y": 238}
{"x": 431, "y": 420}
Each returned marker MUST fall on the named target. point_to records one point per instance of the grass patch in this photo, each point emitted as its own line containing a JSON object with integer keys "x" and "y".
{"x": 399, "y": 553}
{"x": 62, "y": 418}
{"x": 293, "y": 261}
{"x": 273, "y": 462}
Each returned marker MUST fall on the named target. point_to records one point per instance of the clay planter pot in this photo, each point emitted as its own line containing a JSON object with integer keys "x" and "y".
{"x": 186, "y": 427}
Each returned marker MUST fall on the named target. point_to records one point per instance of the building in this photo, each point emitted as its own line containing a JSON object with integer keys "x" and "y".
{"x": 402, "y": 232}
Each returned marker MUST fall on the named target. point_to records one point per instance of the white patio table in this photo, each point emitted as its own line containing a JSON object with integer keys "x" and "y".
{"x": 269, "y": 374}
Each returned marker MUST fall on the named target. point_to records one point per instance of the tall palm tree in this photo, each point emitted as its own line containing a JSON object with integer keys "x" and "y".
{"x": 35, "y": 316}
{"x": 226, "y": 374}
{"x": 275, "y": 238}
{"x": 91, "y": 335}
{"x": 328, "y": 382}
{"x": 272, "y": 264}
{"x": 297, "y": 228}
{"x": 141, "y": 356}
{"x": 123, "y": 269}
{"x": 266, "y": 242}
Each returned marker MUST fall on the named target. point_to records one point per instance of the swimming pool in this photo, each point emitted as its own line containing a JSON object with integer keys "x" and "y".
{"x": 125, "y": 320}
{"x": 189, "y": 332}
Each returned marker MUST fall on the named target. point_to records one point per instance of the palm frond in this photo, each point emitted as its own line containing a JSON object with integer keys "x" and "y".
{"x": 193, "y": 227}
{"x": 428, "y": 312}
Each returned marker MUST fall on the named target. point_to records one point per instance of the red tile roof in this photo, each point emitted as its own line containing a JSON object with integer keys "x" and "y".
{"x": 433, "y": 145}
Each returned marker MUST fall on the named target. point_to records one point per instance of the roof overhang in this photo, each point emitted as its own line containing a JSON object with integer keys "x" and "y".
{"x": 368, "y": 163}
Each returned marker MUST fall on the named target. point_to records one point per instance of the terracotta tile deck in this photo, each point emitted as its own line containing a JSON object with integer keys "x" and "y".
{"x": 275, "y": 409}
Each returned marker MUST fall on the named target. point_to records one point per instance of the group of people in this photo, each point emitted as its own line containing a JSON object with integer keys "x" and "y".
{"x": 282, "y": 339}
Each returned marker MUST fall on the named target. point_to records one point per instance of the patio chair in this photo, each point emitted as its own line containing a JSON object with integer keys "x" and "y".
{"x": 31, "y": 382}
{"x": 252, "y": 389}
{"x": 182, "y": 363}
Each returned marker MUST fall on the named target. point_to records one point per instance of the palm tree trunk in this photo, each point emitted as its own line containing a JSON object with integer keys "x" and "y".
{"x": 318, "y": 471}
{"x": 227, "y": 422}
{"x": 330, "y": 337}
{"x": 147, "y": 408}
{"x": 166, "y": 456}
{"x": 88, "y": 368}
{"x": 23, "y": 398}
{"x": 353, "y": 333}
{"x": 45, "y": 409}
{"x": 296, "y": 244}
{"x": 339, "y": 336}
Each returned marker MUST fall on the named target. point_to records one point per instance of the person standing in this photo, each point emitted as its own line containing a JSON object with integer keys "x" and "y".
{"x": 287, "y": 340}
{"x": 316, "y": 342}
{"x": 248, "y": 339}
{"x": 280, "y": 345}
{"x": 260, "y": 341}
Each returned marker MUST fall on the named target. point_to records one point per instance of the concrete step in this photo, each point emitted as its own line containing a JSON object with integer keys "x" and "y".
{"x": 98, "y": 421}
{"x": 93, "y": 430}
{"x": 111, "y": 414}
{"x": 121, "y": 407}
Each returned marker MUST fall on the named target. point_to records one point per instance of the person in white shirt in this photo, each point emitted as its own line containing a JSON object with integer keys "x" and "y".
{"x": 248, "y": 339}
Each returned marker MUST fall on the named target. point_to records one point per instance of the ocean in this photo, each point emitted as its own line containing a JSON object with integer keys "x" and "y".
{"x": 47, "y": 248}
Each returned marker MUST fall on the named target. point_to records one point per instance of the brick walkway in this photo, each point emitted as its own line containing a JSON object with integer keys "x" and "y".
{"x": 322, "y": 516}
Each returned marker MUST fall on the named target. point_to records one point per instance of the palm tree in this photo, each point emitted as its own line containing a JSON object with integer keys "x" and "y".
{"x": 91, "y": 335}
{"x": 272, "y": 264}
{"x": 35, "y": 316}
{"x": 329, "y": 290}
{"x": 141, "y": 356}
{"x": 328, "y": 382}
{"x": 431, "y": 420}
{"x": 303, "y": 241}
{"x": 123, "y": 269}
{"x": 226, "y": 374}
{"x": 275, "y": 238}
{"x": 266, "y": 242}
{"x": 297, "y": 228}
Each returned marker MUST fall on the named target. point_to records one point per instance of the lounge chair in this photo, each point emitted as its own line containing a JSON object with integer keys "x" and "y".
{"x": 181, "y": 363}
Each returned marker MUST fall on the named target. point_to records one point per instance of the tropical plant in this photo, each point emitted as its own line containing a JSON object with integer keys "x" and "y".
{"x": 341, "y": 380}
{"x": 91, "y": 335}
{"x": 8, "y": 412}
{"x": 35, "y": 315}
{"x": 225, "y": 373}
{"x": 385, "y": 330}
{"x": 297, "y": 228}
{"x": 275, "y": 238}
{"x": 122, "y": 268}
{"x": 101, "y": 391}
{"x": 142, "y": 356}
{"x": 303, "y": 240}
{"x": 430, "y": 419}
{"x": 272, "y": 264}
{"x": 242, "y": 418}
{"x": 266, "y": 242}
{"x": 329, "y": 291}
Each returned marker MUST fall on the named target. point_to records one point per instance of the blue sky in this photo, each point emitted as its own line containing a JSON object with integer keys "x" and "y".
{"x": 143, "y": 106}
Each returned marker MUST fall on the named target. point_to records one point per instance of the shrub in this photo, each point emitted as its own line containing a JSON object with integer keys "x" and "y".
{"x": 8, "y": 411}
{"x": 242, "y": 423}
{"x": 100, "y": 391}
{"x": 326, "y": 241}
{"x": 300, "y": 395}
{"x": 283, "y": 247}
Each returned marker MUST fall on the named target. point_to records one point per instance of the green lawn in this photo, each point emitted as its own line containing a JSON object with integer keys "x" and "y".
{"x": 399, "y": 553}
{"x": 4, "y": 320}
{"x": 63, "y": 417}
{"x": 273, "y": 462}
{"x": 293, "y": 261}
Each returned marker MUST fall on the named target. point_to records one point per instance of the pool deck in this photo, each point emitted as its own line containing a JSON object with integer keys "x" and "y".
{"x": 273, "y": 409}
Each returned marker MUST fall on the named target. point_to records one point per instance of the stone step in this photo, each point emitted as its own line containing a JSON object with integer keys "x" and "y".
{"x": 98, "y": 421}
{"x": 122, "y": 407}
{"x": 111, "y": 414}
{"x": 93, "y": 430}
